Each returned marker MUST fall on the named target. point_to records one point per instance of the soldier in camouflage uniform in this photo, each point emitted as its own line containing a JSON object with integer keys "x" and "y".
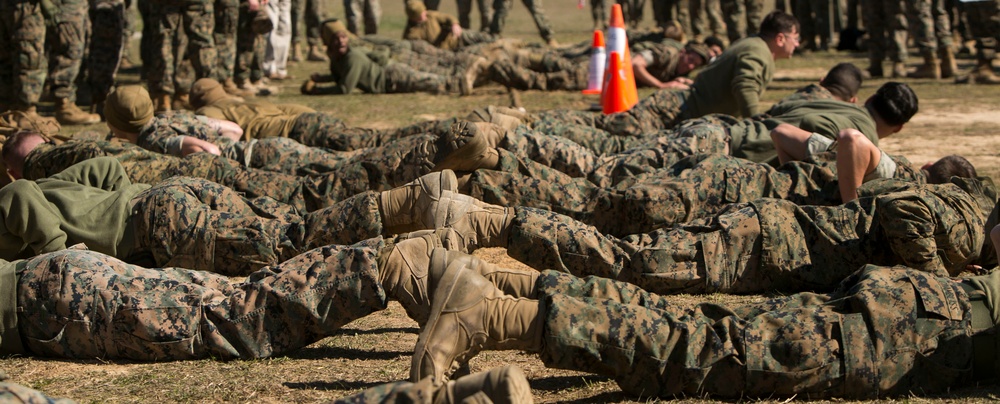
{"x": 732, "y": 84}
{"x": 375, "y": 170}
{"x": 887, "y": 31}
{"x": 815, "y": 18}
{"x": 984, "y": 23}
{"x": 62, "y": 302}
{"x": 197, "y": 19}
{"x": 502, "y": 7}
{"x": 932, "y": 33}
{"x": 706, "y": 19}
{"x": 23, "y": 65}
{"x": 227, "y": 14}
{"x": 108, "y": 41}
{"x": 762, "y": 246}
{"x": 742, "y": 17}
{"x": 307, "y": 14}
{"x": 439, "y": 29}
{"x": 355, "y": 10}
{"x": 884, "y": 331}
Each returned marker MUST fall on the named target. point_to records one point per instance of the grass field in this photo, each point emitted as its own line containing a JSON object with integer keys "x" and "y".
{"x": 953, "y": 118}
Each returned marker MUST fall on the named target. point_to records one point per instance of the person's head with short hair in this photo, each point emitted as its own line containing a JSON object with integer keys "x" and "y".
{"x": 941, "y": 171}
{"x": 127, "y": 110}
{"x": 891, "y": 107}
{"x": 416, "y": 11}
{"x": 206, "y": 91}
{"x": 16, "y": 150}
{"x": 692, "y": 57}
{"x": 843, "y": 81}
{"x": 781, "y": 32}
{"x": 716, "y": 45}
{"x": 336, "y": 37}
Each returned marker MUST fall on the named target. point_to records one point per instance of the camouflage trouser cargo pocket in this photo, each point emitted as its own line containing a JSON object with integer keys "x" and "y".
{"x": 156, "y": 332}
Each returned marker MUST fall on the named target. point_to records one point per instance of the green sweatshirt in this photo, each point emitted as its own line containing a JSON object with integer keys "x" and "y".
{"x": 356, "y": 70}
{"x": 10, "y": 341}
{"x": 87, "y": 203}
{"x": 733, "y": 83}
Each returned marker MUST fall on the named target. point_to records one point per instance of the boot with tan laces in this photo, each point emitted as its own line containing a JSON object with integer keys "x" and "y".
{"x": 67, "y": 113}
{"x": 401, "y": 207}
{"x": 470, "y": 148}
{"x": 316, "y": 54}
{"x": 468, "y": 314}
{"x": 506, "y": 385}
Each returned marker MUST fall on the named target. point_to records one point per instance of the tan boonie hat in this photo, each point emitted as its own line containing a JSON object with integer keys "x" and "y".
{"x": 414, "y": 8}
{"x": 128, "y": 108}
{"x": 329, "y": 29}
{"x": 206, "y": 91}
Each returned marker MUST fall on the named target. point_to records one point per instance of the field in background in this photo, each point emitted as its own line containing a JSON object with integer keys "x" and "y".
{"x": 953, "y": 119}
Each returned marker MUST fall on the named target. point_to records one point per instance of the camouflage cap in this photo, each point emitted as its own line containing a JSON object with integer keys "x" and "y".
{"x": 414, "y": 9}
{"x": 699, "y": 49}
{"x": 206, "y": 91}
{"x": 331, "y": 28}
{"x": 128, "y": 108}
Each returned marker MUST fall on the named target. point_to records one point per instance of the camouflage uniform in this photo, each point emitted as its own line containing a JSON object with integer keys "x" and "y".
{"x": 632, "y": 11}
{"x": 67, "y": 38}
{"x": 886, "y": 22}
{"x": 706, "y": 19}
{"x": 370, "y": 10}
{"x": 23, "y": 64}
{"x": 307, "y": 13}
{"x": 372, "y": 170}
{"x": 227, "y": 14}
{"x": 742, "y": 17}
{"x": 694, "y": 187}
{"x": 16, "y": 393}
{"x": 549, "y": 77}
{"x": 250, "y": 47}
{"x": 932, "y": 29}
{"x": 108, "y": 41}
{"x": 68, "y": 299}
{"x": 882, "y": 332}
{"x": 774, "y": 245}
{"x": 502, "y": 7}
{"x": 814, "y": 18}
{"x": 984, "y": 24}
{"x": 197, "y": 19}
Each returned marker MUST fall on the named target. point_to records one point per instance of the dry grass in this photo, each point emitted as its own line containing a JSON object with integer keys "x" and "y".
{"x": 376, "y": 349}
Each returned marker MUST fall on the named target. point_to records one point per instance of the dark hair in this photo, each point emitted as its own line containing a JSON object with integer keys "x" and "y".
{"x": 14, "y": 143}
{"x": 715, "y": 41}
{"x": 843, "y": 81}
{"x": 894, "y": 102}
{"x": 778, "y": 22}
{"x": 950, "y": 166}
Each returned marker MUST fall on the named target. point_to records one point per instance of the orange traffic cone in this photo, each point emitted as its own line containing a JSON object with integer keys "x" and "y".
{"x": 598, "y": 60}
{"x": 618, "y": 42}
{"x": 615, "y": 85}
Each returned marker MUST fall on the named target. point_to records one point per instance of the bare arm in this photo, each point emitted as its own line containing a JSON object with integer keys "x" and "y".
{"x": 790, "y": 142}
{"x": 225, "y": 128}
{"x": 856, "y": 157}
{"x": 194, "y": 145}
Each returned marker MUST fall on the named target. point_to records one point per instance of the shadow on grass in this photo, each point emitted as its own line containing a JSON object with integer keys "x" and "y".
{"x": 359, "y": 331}
{"x": 334, "y": 385}
{"x": 336, "y": 352}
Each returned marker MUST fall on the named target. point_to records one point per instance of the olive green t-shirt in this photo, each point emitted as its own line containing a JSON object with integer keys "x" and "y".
{"x": 356, "y": 70}
{"x": 734, "y": 82}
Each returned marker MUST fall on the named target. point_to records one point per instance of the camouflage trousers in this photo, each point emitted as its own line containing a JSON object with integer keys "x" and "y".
{"x": 108, "y": 41}
{"x": 502, "y": 7}
{"x": 506, "y": 73}
{"x": 16, "y": 393}
{"x": 814, "y": 17}
{"x": 67, "y": 41}
{"x": 23, "y": 64}
{"x": 82, "y": 304}
{"x": 318, "y": 129}
{"x": 889, "y": 36}
{"x": 485, "y": 14}
{"x": 308, "y": 14}
{"x": 706, "y": 19}
{"x": 282, "y": 155}
{"x": 197, "y": 20}
{"x": 632, "y": 11}
{"x": 694, "y": 188}
{"x": 250, "y": 47}
{"x": 742, "y": 17}
{"x": 644, "y": 156}
{"x": 356, "y": 10}
{"x": 662, "y": 110}
{"x": 883, "y": 332}
{"x": 932, "y": 26}
{"x": 401, "y": 78}
{"x": 735, "y": 251}
{"x": 227, "y": 15}
{"x": 197, "y": 224}
{"x": 984, "y": 24}
{"x": 599, "y": 13}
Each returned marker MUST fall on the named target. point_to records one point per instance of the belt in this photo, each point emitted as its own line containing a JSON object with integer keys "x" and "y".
{"x": 984, "y": 336}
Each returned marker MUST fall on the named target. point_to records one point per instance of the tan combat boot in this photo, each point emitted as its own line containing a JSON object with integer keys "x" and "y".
{"x": 296, "y": 53}
{"x": 931, "y": 69}
{"x": 316, "y": 54}
{"x": 161, "y": 103}
{"x": 898, "y": 70}
{"x": 181, "y": 102}
{"x": 232, "y": 89}
{"x": 506, "y": 385}
{"x": 402, "y": 206}
{"x": 984, "y": 73}
{"x": 466, "y": 147}
{"x": 948, "y": 65}
{"x": 468, "y": 313}
{"x": 494, "y": 115}
{"x": 67, "y": 113}
{"x": 475, "y": 68}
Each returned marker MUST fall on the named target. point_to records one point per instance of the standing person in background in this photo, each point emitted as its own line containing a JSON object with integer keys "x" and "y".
{"x": 984, "y": 23}
{"x": 279, "y": 40}
{"x": 370, "y": 10}
{"x": 308, "y": 13}
{"x": 886, "y": 24}
{"x": 108, "y": 40}
{"x": 502, "y": 7}
{"x": 485, "y": 14}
